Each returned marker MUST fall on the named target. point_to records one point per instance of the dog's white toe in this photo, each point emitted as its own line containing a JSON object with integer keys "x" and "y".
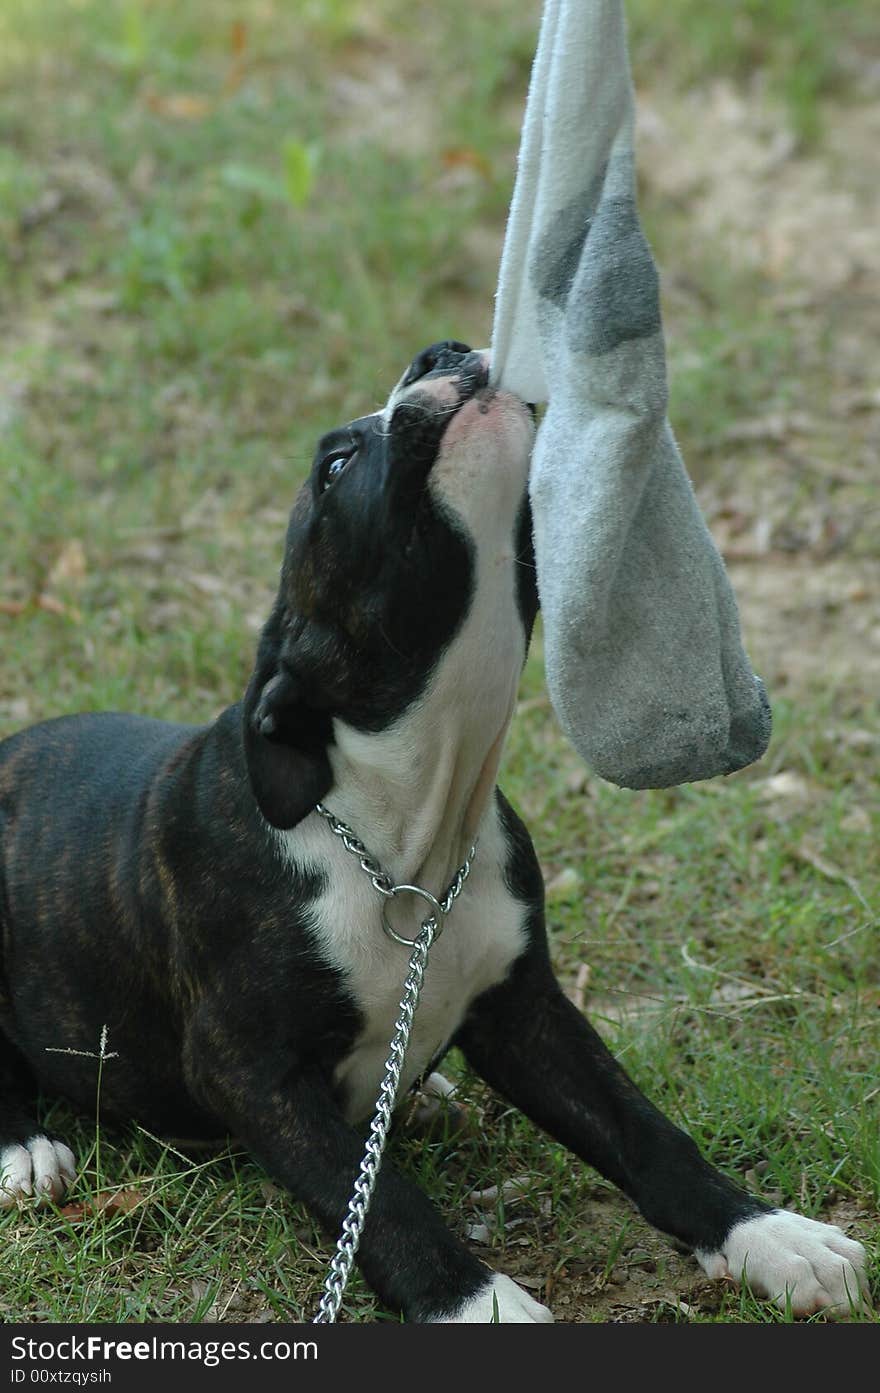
{"x": 435, "y": 1098}
{"x": 15, "y": 1175}
{"x": 41, "y": 1169}
{"x": 499, "y": 1300}
{"x": 438, "y": 1086}
{"x": 790, "y": 1258}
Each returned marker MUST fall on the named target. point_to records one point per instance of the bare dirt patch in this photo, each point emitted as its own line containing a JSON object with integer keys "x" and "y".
{"x": 794, "y": 503}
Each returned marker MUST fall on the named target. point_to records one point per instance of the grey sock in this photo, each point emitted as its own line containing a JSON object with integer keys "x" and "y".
{"x": 644, "y": 661}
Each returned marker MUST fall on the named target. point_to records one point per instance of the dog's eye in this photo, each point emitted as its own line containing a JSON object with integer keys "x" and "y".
{"x": 333, "y": 465}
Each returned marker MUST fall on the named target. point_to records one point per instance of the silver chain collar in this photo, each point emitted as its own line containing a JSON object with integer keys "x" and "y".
{"x": 382, "y": 882}
{"x": 432, "y": 926}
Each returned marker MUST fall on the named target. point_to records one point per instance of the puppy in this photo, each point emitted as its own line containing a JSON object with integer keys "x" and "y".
{"x": 176, "y": 884}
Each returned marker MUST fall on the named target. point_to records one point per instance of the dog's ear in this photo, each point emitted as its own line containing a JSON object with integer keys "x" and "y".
{"x": 285, "y": 746}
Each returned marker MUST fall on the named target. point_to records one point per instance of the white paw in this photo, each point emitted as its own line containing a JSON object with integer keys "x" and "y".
{"x": 513, "y": 1306}
{"x": 435, "y": 1098}
{"x": 787, "y": 1257}
{"x": 437, "y": 1086}
{"x": 40, "y": 1168}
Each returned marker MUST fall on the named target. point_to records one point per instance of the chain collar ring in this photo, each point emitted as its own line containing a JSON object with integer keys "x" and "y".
{"x": 436, "y": 918}
{"x": 385, "y": 886}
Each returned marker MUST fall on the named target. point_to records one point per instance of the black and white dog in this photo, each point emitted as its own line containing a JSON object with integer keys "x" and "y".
{"x": 176, "y": 884}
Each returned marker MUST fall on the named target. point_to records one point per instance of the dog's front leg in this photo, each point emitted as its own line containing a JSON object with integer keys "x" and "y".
{"x": 407, "y": 1254}
{"x": 528, "y": 1041}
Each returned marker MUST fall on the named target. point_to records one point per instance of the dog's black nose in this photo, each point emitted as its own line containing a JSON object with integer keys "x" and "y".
{"x": 440, "y": 357}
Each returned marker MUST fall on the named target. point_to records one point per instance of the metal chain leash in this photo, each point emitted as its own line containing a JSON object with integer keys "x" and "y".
{"x": 356, "y": 1214}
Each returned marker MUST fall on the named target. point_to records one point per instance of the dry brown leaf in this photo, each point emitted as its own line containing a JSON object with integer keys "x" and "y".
{"x": 238, "y": 38}
{"x": 237, "y": 47}
{"x": 53, "y": 606}
{"x": 70, "y": 566}
{"x": 180, "y": 106}
{"x": 465, "y": 157}
{"x": 16, "y": 608}
{"x": 105, "y": 1202}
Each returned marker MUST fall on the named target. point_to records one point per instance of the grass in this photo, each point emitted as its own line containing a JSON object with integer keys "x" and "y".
{"x": 789, "y": 44}
{"x": 223, "y": 232}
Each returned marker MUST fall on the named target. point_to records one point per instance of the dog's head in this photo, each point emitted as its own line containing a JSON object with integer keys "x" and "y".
{"x": 396, "y": 540}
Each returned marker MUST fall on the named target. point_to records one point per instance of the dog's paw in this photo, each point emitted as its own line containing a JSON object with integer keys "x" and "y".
{"x": 39, "y": 1169}
{"x": 499, "y": 1300}
{"x": 789, "y": 1258}
{"x": 434, "y": 1101}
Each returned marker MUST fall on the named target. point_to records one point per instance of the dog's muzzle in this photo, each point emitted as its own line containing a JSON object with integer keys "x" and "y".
{"x": 450, "y": 359}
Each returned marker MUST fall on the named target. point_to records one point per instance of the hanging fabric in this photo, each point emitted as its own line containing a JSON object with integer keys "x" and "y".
{"x": 644, "y": 661}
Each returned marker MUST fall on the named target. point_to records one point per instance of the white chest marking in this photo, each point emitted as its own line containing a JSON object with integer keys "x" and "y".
{"x": 484, "y": 933}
